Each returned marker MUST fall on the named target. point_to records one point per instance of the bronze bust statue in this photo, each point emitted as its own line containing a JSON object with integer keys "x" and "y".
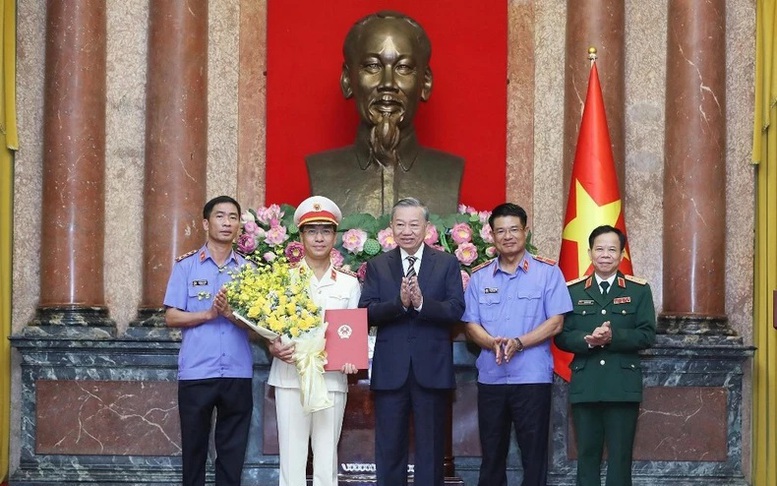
{"x": 386, "y": 69}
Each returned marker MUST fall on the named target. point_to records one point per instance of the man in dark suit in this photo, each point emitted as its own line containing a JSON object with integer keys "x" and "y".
{"x": 413, "y": 294}
{"x": 612, "y": 320}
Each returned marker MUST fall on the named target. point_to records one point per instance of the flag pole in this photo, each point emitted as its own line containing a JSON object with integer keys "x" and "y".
{"x": 592, "y": 55}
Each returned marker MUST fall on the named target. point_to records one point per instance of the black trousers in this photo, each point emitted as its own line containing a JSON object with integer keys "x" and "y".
{"x": 527, "y": 409}
{"x": 393, "y": 409}
{"x": 233, "y": 401}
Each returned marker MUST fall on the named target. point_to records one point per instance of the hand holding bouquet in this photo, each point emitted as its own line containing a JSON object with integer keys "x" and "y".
{"x": 273, "y": 300}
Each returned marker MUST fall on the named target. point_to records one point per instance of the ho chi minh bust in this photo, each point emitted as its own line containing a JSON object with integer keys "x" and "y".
{"x": 386, "y": 70}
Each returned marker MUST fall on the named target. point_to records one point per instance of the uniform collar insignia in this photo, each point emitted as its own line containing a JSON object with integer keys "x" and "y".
{"x": 621, "y": 282}
{"x": 589, "y": 282}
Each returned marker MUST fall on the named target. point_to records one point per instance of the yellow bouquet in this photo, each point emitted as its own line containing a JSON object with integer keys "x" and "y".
{"x": 273, "y": 300}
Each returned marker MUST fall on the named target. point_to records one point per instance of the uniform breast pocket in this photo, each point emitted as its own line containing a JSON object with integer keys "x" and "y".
{"x": 530, "y": 301}
{"x": 488, "y": 305}
{"x": 337, "y": 301}
{"x": 200, "y": 297}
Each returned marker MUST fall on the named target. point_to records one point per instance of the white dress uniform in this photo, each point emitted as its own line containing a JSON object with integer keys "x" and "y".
{"x": 335, "y": 290}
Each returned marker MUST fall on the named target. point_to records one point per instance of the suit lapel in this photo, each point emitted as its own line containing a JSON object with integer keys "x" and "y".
{"x": 395, "y": 265}
{"x": 427, "y": 266}
{"x": 596, "y": 293}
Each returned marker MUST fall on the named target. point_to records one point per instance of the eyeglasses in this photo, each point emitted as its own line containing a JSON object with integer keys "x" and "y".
{"x": 513, "y": 231}
{"x": 326, "y": 232}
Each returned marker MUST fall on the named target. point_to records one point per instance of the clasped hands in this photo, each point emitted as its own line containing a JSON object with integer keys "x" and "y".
{"x": 600, "y": 336}
{"x": 410, "y": 293}
{"x": 504, "y": 348}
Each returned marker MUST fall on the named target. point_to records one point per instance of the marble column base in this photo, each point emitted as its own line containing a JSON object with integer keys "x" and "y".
{"x": 71, "y": 322}
{"x": 694, "y": 324}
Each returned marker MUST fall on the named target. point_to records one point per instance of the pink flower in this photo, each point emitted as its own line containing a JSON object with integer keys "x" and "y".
{"x": 431, "y": 234}
{"x": 336, "y": 258}
{"x": 466, "y": 253}
{"x": 464, "y": 279}
{"x": 486, "y": 234}
{"x": 491, "y": 252}
{"x": 483, "y": 217}
{"x": 267, "y": 215}
{"x": 269, "y": 256}
{"x": 251, "y": 227}
{"x": 386, "y": 239}
{"x": 461, "y": 233}
{"x": 246, "y": 243}
{"x": 464, "y": 209}
{"x": 362, "y": 271}
{"x": 353, "y": 240}
{"x": 276, "y": 235}
{"x": 294, "y": 252}
{"x": 439, "y": 247}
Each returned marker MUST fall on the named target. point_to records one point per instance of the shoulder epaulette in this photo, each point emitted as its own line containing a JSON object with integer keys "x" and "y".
{"x": 483, "y": 265}
{"x": 636, "y": 280}
{"x": 186, "y": 255}
{"x": 576, "y": 280}
{"x": 544, "y": 260}
{"x": 347, "y": 272}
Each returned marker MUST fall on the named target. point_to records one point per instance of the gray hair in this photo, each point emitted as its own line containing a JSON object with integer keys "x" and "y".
{"x": 410, "y": 202}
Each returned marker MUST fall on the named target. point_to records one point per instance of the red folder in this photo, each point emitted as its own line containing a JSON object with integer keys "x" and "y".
{"x": 346, "y": 338}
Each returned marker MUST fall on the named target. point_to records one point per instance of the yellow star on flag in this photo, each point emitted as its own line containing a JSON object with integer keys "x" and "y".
{"x": 588, "y": 215}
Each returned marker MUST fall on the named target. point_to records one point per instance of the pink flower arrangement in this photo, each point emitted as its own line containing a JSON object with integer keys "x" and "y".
{"x": 464, "y": 279}
{"x": 269, "y": 233}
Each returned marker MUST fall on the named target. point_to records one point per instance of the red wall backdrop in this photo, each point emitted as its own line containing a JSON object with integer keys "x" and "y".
{"x": 466, "y": 114}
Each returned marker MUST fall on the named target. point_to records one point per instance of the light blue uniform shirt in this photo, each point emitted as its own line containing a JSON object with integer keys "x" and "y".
{"x": 216, "y": 348}
{"x": 511, "y": 305}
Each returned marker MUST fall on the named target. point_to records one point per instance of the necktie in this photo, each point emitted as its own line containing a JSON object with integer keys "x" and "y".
{"x": 605, "y": 285}
{"x": 411, "y": 266}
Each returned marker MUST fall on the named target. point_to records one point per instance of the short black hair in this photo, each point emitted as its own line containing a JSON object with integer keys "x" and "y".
{"x": 603, "y": 229}
{"x": 208, "y": 208}
{"x": 508, "y": 209}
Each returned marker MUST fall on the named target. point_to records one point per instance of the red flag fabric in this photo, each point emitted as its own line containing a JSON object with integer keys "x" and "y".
{"x": 594, "y": 199}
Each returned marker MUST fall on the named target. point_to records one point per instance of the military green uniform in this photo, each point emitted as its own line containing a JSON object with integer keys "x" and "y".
{"x": 606, "y": 385}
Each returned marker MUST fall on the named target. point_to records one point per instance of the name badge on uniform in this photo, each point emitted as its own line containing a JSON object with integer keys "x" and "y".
{"x": 199, "y": 283}
{"x": 491, "y": 290}
{"x": 621, "y": 300}
{"x": 585, "y": 302}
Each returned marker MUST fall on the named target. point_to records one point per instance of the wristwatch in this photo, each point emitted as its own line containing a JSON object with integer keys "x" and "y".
{"x": 520, "y": 345}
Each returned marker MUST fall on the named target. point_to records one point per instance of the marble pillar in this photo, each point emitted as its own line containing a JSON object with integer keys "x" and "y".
{"x": 71, "y": 254}
{"x": 695, "y": 170}
{"x": 176, "y": 145}
{"x": 599, "y": 24}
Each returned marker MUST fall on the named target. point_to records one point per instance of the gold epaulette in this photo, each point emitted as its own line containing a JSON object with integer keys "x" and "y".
{"x": 636, "y": 280}
{"x": 544, "y": 260}
{"x": 347, "y": 272}
{"x": 577, "y": 280}
{"x": 186, "y": 255}
{"x": 483, "y": 265}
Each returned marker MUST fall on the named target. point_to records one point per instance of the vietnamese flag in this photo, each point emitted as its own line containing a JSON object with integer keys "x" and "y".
{"x": 594, "y": 199}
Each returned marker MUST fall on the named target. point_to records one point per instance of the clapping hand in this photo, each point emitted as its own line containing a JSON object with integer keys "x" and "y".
{"x": 600, "y": 336}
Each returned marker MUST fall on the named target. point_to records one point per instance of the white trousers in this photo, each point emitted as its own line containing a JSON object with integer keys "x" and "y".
{"x": 296, "y": 429}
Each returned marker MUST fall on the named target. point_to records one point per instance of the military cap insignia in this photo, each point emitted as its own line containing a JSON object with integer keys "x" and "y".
{"x": 636, "y": 280}
{"x": 186, "y": 255}
{"x": 577, "y": 280}
{"x": 483, "y": 265}
{"x": 543, "y": 259}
